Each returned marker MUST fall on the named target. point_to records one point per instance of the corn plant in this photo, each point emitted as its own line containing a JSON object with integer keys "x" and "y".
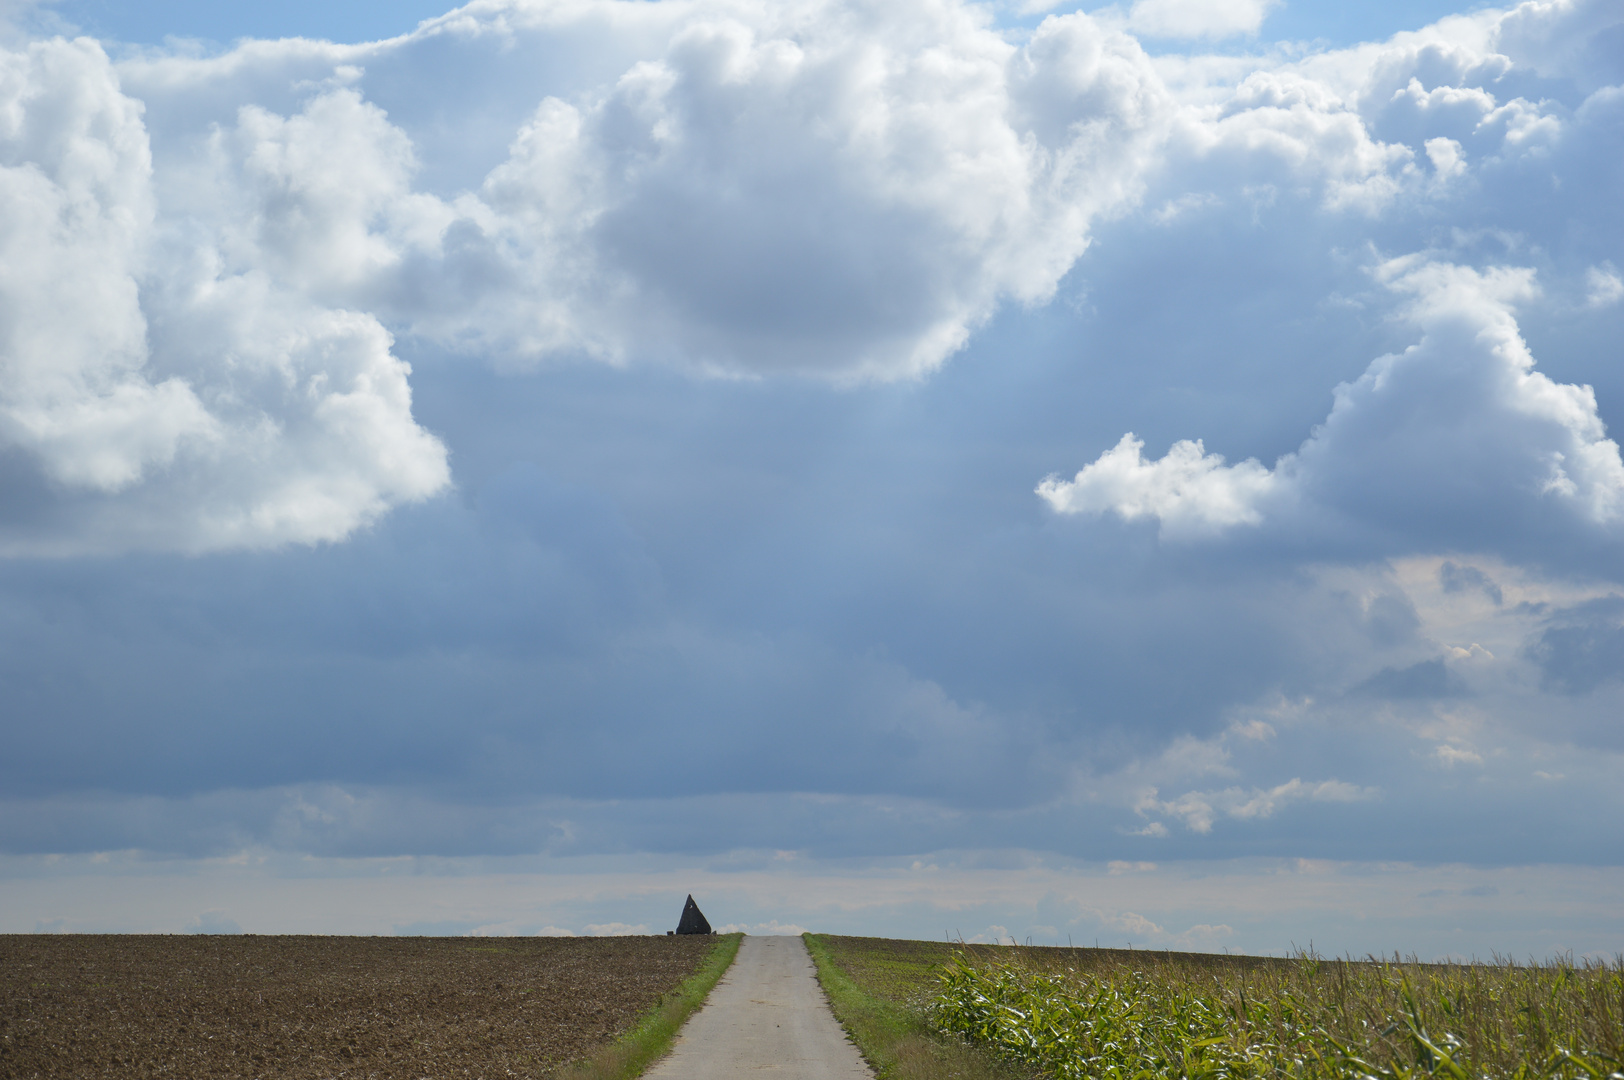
{"x": 1201, "y": 1019}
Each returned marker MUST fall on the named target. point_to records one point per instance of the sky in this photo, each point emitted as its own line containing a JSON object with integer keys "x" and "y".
{"x": 1134, "y": 474}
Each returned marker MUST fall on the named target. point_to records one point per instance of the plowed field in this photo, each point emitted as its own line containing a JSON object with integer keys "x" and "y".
{"x": 292, "y": 1008}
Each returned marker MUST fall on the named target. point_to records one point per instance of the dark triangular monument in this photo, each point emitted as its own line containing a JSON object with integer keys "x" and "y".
{"x": 693, "y": 920}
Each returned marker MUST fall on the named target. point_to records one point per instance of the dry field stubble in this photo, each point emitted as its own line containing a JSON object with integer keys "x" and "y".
{"x": 292, "y": 1008}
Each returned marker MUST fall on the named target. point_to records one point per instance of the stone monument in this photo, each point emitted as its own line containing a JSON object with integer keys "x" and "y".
{"x": 693, "y": 920}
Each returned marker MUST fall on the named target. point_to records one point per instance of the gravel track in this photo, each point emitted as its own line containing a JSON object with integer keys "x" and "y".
{"x": 767, "y": 1015}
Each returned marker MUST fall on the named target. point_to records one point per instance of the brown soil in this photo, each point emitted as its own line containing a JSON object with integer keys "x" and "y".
{"x": 299, "y": 1008}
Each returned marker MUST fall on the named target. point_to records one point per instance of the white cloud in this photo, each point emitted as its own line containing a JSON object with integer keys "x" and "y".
{"x": 1189, "y": 491}
{"x": 1132, "y": 923}
{"x": 1447, "y": 157}
{"x": 1290, "y": 130}
{"x": 1205, "y": 935}
{"x": 814, "y": 187}
{"x": 1603, "y": 286}
{"x": 197, "y": 325}
{"x": 617, "y": 929}
{"x": 77, "y": 210}
{"x": 770, "y": 928}
{"x": 821, "y": 190}
{"x": 197, "y": 340}
{"x": 992, "y": 935}
{"x": 1463, "y": 409}
{"x": 166, "y": 400}
{"x": 1459, "y": 417}
{"x": 320, "y": 200}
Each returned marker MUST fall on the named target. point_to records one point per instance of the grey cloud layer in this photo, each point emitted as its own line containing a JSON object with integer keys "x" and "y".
{"x": 820, "y": 613}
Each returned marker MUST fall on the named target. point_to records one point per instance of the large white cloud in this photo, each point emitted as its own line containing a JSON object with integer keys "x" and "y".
{"x": 1447, "y": 126}
{"x": 824, "y": 188}
{"x": 78, "y": 207}
{"x": 157, "y": 397}
{"x": 196, "y": 347}
{"x": 198, "y": 320}
{"x": 1189, "y": 491}
{"x": 1457, "y": 426}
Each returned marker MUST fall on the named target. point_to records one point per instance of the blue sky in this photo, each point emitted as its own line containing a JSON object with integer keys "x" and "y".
{"x": 353, "y": 21}
{"x": 1137, "y": 474}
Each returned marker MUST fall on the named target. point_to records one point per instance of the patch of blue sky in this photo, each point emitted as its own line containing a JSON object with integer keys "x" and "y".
{"x": 1324, "y": 22}
{"x": 220, "y": 24}
{"x": 1310, "y": 24}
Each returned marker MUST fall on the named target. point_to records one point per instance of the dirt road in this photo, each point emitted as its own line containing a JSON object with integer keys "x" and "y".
{"x": 767, "y": 1015}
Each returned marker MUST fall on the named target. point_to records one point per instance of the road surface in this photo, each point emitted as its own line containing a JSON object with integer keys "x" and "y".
{"x": 767, "y": 1017}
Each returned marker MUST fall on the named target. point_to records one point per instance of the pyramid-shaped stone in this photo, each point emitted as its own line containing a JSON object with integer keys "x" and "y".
{"x": 693, "y": 920}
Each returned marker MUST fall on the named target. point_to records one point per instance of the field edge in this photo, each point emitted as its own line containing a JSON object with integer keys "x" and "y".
{"x": 893, "y": 1038}
{"x": 633, "y": 1053}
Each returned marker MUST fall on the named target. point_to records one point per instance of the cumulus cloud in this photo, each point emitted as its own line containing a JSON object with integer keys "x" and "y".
{"x": 197, "y": 330}
{"x": 616, "y": 929}
{"x": 815, "y": 187}
{"x": 1461, "y": 423}
{"x": 1131, "y": 923}
{"x": 1187, "y": 490}
{"x": 207, "y": 256}
{"x": 1459, "y": 428}
{"x": 1455, "y": 426}
{"x": 151, "y": 397}
{"x": 770, "y": 928}
{"x": 78, "y": 207}
{"x": 826, "y": 189}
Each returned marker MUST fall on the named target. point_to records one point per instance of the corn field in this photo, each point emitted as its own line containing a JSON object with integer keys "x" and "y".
{"x": 1305, "y": 1018}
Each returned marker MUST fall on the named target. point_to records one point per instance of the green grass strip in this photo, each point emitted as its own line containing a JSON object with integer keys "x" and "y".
{"x": 893, "y": 1035}
{"x": 630, "y": 1055}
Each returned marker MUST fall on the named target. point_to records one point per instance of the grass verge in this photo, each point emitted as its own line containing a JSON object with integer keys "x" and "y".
{"x": 878, "y": 988}
{"x": 645, "y": 1044}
